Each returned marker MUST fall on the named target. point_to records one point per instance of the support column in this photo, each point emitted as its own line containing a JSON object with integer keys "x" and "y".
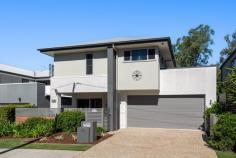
{"x": 74, "y": 100}
{"x": 55, "y": 99}
{"x": 123, "y": 111}
{"x": 111, "y": 89}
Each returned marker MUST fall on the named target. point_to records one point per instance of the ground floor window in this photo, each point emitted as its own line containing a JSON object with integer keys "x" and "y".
{"x": 89, "y": 103}
{"x": 66, "y": 101}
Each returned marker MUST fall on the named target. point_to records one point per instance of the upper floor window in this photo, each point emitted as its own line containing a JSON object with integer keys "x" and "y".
{"x": 51, "y": 70}
{"x": 162, "y": 62}
{"x": 139, "y": 54}
{"x": 89, "y": 64}
{"x": 23, "y": 80}
{"x": 46, "y": 82}
{"x": 127, "y": 55}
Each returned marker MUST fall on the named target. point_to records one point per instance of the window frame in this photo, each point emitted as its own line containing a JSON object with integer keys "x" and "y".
{"x": 90, "y": 101}
{"x": 131, "y": 55}
{"x": 24, "y": 80}
{"x": 64, "y": 99}
{"x": 88, "y": 65}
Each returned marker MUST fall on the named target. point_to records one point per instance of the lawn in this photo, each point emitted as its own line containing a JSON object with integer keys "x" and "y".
{"x": 225, "y": 154}
{"x": 20, "y": 143}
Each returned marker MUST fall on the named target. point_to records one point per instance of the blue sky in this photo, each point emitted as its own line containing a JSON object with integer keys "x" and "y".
{"x": 27, "y": 25}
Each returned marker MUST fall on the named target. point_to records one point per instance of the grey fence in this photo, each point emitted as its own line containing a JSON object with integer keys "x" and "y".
{"x": 100, "y": 115}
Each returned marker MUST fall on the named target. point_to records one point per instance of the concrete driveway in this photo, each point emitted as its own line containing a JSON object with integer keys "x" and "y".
{"x": 36, "y": 153}
{"x": 151, "y": 143}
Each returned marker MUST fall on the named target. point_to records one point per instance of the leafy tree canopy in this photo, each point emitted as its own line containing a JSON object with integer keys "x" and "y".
{"x": 230, "y": 86}
{"x": 231, "y": 46}
{"x": 193, "y": 49}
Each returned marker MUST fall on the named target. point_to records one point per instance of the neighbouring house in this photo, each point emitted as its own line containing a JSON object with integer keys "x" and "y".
{"x": 20, "y": 86}
{"x": 225, "y": 66}
{"x": 228, "y": 63}
{"x": 135, "y": 79}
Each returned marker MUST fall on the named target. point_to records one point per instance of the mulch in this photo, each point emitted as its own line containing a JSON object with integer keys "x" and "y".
{"x": 68, "y": 138}
{"x": 58, "y": 138}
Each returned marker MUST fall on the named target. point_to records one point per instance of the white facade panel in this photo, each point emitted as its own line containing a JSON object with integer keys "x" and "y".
{"x": 187, "y": 81}
{"x": 75, "y": 64}
{"x": 149, "y": 73}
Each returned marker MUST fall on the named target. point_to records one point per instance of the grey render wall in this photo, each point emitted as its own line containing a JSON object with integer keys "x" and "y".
{"x": 42, "y": 101}
{"x": 20, "y": 93}
{"x": 8, "y": 78}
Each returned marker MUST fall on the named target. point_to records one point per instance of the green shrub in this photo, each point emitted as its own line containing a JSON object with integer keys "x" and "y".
{"x": 7, "y": 113}
{"x": 100, "y": 131}
{"x": 216, "y": 108}
{"x": 6, "y": 128}
{"x": 224, "y": 133}
{"x": 68, "y": 121}
{"x": 35, "y": 127}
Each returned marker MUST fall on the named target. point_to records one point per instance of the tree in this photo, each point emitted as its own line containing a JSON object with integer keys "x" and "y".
{"x": 230, "y": 86}
{"x": 193, "y": 49}
{"x": 231, "y": 43}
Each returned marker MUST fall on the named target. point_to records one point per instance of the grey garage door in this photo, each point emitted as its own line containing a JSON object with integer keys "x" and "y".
{"x": 185, "y": 112}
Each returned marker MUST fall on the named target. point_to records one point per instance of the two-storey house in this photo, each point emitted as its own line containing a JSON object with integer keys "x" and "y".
{"x": 135, "y": 79}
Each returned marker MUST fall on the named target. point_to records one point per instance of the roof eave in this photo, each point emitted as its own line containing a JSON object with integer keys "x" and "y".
{"x": 109, "y": 44}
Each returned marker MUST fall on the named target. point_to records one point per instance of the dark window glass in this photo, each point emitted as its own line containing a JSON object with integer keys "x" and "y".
{"x": 96, "y": 103}
{"x": 151, "y": 53}
{"x": 51, "y": 70}
{"x": 89, "y": 64}
{"x": 66, "y": 101}
{"x": 46, "y": 82}
{"x": 140, "y": 54}
{"x": 83, "y": 103}
{"x": 25, "y": 80}
{"x": 127, "y": 55}
{"x": 162, "y": 63}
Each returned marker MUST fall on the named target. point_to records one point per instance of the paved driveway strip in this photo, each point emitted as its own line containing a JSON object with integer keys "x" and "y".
{"x": 37, "y": 153}
{"x": 151, "y": 143}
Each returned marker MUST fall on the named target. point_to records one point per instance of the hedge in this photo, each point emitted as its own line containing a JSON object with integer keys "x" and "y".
{"x": 35, "y": 127}
{"x": 6, "y": 128}
{"x": 7, "y": 113}
{"x": 68, "y": 121}
{"x": 224, "y": 133}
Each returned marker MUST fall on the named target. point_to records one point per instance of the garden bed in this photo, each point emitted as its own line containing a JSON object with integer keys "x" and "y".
{"x": 67, "y": 138}
{"x": 42, "y": 133}
{"x": 50, "y": 143}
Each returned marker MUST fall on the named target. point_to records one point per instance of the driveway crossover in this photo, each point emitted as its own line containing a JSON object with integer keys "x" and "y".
{"x": 152, "y": 143}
